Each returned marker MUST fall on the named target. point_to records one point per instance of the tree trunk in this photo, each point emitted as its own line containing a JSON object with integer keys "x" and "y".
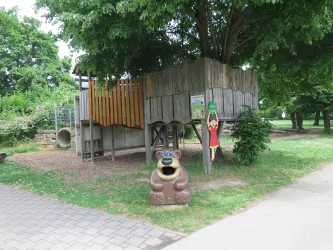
{"x": 293, "y": 120}
{"x": 236, "y": 24}
{"x": 299, "y": 120}
{"x": 317, "y": 118}
{"x": 202, "y": 27}
{"x": 327, "y": 122}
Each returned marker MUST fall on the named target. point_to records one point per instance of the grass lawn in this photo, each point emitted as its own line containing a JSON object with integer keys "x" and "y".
{"x": 29, "y": 147}
{"x": 306, "y": 123}
{"x": 287, "y": 161}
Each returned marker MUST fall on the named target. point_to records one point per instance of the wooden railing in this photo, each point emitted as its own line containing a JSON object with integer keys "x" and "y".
{"x": 120, "y": 105}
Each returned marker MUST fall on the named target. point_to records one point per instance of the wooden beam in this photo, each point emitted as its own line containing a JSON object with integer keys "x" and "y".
{"x": 175, "y": 141}
{"x": 80, "y": 82}
{"x": 102, "y": 136}
{"x": 197, "y": 133}
{"x": 205, "y": 148}
{"x": 157, "y": 138}
{"x": 221, "y": 127}
{"x": 148, "y": 138}
{"x": 156, "y": 135}
{"x": 165, "y": 138}
{"x": 112, "y": 144}
{"x": 92, "y": 153}
{"x": 82, "y": 141}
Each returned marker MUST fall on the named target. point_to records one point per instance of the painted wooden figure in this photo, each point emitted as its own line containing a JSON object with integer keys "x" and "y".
{"x": 213, "y": 126}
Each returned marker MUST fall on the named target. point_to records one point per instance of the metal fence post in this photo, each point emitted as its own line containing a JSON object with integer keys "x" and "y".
{"x": 56, "y": 124}
{"x": 70, "y": 123}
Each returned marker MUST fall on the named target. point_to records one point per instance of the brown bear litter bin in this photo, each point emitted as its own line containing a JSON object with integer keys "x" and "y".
{"x": 169, "y": 182}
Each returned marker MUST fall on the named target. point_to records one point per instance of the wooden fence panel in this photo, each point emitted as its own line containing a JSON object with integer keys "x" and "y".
{"x": 228, "y": 109}
{"x": 127, "y": 100}
{"x": 123, "y": 107}
{"x": 104, "y": 107}
{"x": 136, "y": 101}
{"x": 142, "y": 119}
{"x": 132, "y": 103}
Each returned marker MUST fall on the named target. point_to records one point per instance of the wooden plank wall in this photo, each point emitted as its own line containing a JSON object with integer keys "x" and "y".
{"x": 84, "y": 105}
{"x": 168, "y": 92}
{"x": 121, "y": 105}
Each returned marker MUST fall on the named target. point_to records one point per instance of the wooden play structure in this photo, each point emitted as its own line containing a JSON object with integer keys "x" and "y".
{"x": 139, "y": 112}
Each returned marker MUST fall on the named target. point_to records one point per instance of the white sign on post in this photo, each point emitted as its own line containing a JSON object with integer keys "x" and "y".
{"x": 198, "y": 107}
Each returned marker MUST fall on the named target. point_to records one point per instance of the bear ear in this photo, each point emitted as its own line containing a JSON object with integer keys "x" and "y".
{"x": 177, "y": 154}
{"x": 159, "y": 155}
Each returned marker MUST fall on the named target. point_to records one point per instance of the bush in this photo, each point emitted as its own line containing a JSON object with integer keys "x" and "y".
{"x": 252, "y": 135}
{"x": 17, "y": 130}
{"x": 43, "y": 119}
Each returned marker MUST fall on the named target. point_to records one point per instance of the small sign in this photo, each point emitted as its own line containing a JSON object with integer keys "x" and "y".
{"x": 198, "y": 107}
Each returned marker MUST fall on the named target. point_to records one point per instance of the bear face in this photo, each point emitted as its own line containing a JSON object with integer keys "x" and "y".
{"x": 168, "y": 166}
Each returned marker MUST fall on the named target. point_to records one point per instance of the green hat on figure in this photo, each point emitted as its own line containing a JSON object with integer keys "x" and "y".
{"x": 212, "y": 108}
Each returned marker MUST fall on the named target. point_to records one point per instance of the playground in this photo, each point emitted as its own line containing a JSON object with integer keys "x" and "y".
{"x": 122, "y": 187}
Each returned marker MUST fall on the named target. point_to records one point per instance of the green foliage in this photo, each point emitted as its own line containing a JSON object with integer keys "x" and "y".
{"x": 23, "y": 113}
{"x": 139, "y": 36}
{"x": 28, "y": 56}
{"x": 17, "y": 130}
{"x": 252, "y": 135}
{"x": 188, "y": 131}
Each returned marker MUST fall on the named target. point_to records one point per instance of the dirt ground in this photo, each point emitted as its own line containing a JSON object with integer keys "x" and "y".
{"x": 66, "y": 161}
{"x": 127, "y": 161}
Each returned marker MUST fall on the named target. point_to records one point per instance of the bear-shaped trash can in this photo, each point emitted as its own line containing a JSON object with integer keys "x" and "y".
{"x": 169, "y": 182}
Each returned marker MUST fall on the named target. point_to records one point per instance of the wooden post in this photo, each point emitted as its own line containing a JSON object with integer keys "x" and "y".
{"x": 92, "y": 152}
{"x": 112, "y": 144}
{"x": 165, "y": 137}
{"x": 205, "y": 148}
{"x": 197, "y": 133}
{"x": 175, "y": 141}
{"x": 82, "y": 140}
{"x": 148, "y": 139}
{"x": 80, "y": 82}
{"x": 221, "y": 127}
{"x": 158, "y": 136}
{"x": 102, "y": 135}
{"x": 152, "y": 134}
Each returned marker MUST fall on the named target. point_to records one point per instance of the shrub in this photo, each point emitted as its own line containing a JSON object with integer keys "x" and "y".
{"x": 252, "y": 135}
{"x": 17, "y": 130}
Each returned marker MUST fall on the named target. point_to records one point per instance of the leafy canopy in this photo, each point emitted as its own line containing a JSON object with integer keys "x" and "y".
{"x": 142, "y": 35}
{"x": 28, "y": 56}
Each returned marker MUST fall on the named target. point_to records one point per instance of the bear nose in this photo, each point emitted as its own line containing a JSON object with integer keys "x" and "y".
{"x": 166, "y": 161}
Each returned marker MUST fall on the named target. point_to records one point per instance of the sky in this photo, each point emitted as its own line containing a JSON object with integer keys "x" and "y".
{"x": 26, "y": 8}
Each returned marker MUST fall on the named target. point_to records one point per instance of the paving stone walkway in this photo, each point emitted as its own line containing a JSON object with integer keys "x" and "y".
{"x": 30, "y": 221}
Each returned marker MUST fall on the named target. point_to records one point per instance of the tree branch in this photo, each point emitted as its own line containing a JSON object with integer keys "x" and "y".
{"x": 240, "y": 43}
{"x": 209, "y": 12}
{"x": 231, "y": 12}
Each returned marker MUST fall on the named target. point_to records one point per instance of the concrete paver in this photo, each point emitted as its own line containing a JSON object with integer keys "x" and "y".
{"x": 299, "y": 217}
{"x": 30, "y": 221}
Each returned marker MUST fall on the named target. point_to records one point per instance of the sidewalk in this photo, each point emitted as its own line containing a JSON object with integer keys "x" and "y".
{"x": 30, "y": 221}
{"x": 299, "y": 217}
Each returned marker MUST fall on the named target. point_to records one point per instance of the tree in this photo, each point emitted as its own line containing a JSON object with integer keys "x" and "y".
{"x": 28, "y": 56}
{"x": 142, "y": 35}
{"x": 302, "y": 78}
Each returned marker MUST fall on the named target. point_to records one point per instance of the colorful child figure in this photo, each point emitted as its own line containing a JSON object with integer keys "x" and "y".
{"x": 213, "y": 125}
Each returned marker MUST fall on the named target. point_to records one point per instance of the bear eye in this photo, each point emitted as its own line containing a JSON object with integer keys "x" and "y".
{"x": 165, "y": 154}
{"x": 171, "y": 154}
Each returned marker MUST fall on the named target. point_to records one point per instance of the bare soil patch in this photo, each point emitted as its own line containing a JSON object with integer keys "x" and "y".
{"x": 217, "y": 184}
{"x": 307, "y": 133}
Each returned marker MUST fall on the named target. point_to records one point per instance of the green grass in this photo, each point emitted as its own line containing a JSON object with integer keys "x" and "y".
{"x": 287, "y": 161}
{"x": 20, "y": 149}
{"x": 306, "y": 123}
